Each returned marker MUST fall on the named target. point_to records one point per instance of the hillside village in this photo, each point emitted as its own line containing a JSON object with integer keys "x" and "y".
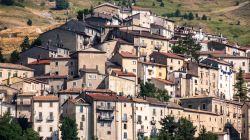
{"x": 96, "y": 69}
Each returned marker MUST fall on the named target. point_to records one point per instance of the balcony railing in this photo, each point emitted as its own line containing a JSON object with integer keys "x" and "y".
{"x": 105, "y": 108}
{"x": 39, "y": 119}
{"x": 50, "y": 118}
{"x": 153, "y": 122}
{"x": 105, "y": 118}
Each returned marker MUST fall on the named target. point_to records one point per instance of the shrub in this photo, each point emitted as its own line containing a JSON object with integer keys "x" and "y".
{"x": 29, "y": 22}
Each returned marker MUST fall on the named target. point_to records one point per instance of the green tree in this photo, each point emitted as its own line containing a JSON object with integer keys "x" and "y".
{"x": 149, "y": 90}
{"x": 162, "y": 4}
{"x": 36, "y": 42}
{"x": 241, "y": 89}
{"x": 7, "y": 2}
{"x": 169, "y": 128}
{"x": 153, "y": 4}
{"x": 91, "y": 10}
{"x": 190, "y": 16}
{"x": 14, "y": 57}
{"x": 29, "y": 22}
{"x": 69, "y": 129}
{"x": 188, "y": 46}
{"x": 2, "y": 59}
{"x": 25, "y": 44}
{"x": 186, "y": 130}
{"x": 204, "y": 17}
{"x": 62, "y": 4}
{"x": 177, "y": 13}
{"x": 204, "y": 135}
{"x": 10, "y": 129}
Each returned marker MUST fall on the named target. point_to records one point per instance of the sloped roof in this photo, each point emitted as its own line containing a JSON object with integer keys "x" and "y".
{"x": 169, "y": 55}
{"x": 14, "y": 66}
{"x": 167, "y": 82}
{"x": 108, "y": 97}
{"x": 49, "y": 98}
{"x": 127, "y": 54}
{"x": 40, "y": 62}
{"x": 121, "y": 73}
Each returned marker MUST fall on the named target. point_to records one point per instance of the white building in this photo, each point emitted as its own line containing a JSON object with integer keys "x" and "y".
{"x": 45, "y": 116}
{"x": 78, "y": 110}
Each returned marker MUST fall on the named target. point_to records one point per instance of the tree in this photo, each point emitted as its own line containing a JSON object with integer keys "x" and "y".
{"x": 25, "y": 44}
{"x": 204, "y": 17}
{"x": 204, "y": 135}
{"x": 190, "y": 16}
{"x": 186, "y": 130}
{"x": 188, "y": 46}
{"x": 162, "y": 4}
{"x": 10, "y": 129}
{"x": 7, "y": 2}
{"x": 36, "y": 42}
{"x": 177, "y": 13}
{"x": 149, "y": 90}
{"x": 29, "y": 22}
{"x": 91, "y": 10}
{"x": 153, "y": 4}
{"x": 169, "y": 128}
{"x": 62, "y": 4}
{"x": 182, "y": 129}
{"x": 2, "y": 59}
{"x": 69, "y": 129}
{"x": 241, "y": 89}
{"x": 185, "y": 16}
{"x": 14, "y": 57}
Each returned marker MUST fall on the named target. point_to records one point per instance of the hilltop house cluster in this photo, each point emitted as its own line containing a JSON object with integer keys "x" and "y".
{"x": 90, "y": 70}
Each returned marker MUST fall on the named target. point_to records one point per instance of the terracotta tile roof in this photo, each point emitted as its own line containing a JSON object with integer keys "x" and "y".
{"x": 219, "y": 61}
{"x": 139, "y": 8}
{"x": 51, "y": 77}
{"x": 40, "y": 62}
{"x": 127, "y": 54}
{"x": 107, "y": 4}
{"x": 155, "y": 101}
{"x": 121, "y": 73}
{"x": 108, "y": 97}
{"x": 145, "y": 34}
{"x": 173, "y": 105}
{"x": 211, "y": 52}
{"x": 167, "y": 82}
{"x": 170, "y": 55}
{"x": 49, "y": 98}
{"x": 79, "y": 90}
{"x": 14, "y": 66}
{"x": 152, "y": 63}
{"x": 200, "y": 111}
{"x": 228, "y": 56}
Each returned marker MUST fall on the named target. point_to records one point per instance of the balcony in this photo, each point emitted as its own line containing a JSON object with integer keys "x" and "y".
{"x": 139, "y": 122}
{"x": 105, "y": 118}
{"x": 153, "y": 122}
{"x": 39, "y": 119}
{"x": 105, "y": 108}
{"x": 50, "y": 119}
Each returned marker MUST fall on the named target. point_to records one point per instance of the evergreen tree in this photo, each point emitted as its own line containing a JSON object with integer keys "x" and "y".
{"x": 204, "y": 135}
{"x": 36, "y": 42}
{"x": 188, "y": 46}
{"x": 25, "y": 44}
{"x": 62, "y": 4}
{"x": 14, "y": 57}
{"x": 241, "y": 89}
{"x": 162, "y": 4}
{"x": 29, "y": 22}
{"x": 186, "y": 130}
{"x": 177, "y": 13}
{"x": 169, "y": 128}
{"x": 2, "y": 59}
{"x": 153, "y": 4}
{"x": 190, "y": 16}
{"x": 204, "y": 17}
{"x": 69, "y": 129}
{"x": 7, "y": 2}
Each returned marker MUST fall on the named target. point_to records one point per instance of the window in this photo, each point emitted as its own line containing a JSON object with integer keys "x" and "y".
{"x": 56, "y": 64}
{"x": 179, "y": 62}
{"x": 92, "y": 76}
{"x": 74, "y": 83}
{"x": 154, "y": 112}
{"x": 243, "y": 63}
{"x": 160, "y": 74}
{"x": 171, "y": 60}
{"x": 124, "y": 117}
{"x": 40, "y": 104}
{"x": 190, "y": 106}
{"x": 71, "y": 63}
{"x": 81, "y": 125}
{"x": 146, "y": 118}
{"x": 171, "y": 68}
{"x": 56, "y": 72}
{"x": 134, "y": 70}
{"x": 109, "y": 132}
{"x": 58, "y": 87}
{"x": 124, "y": 126}
{"x": 51, "y": 115}
{"x": 125, "y": 135}
{"x": 50, "y": 129}
{"x": 1, "y": 74}
{"x": 50, "y": 104}
{"x": 39, "y": 129}
{"x": 81, "y": 108}
{"x": 83, "y": 118}
{"x": 124, "y": 105}
{"x": 161, "y": 112}
{"x": 40, "y": 115}
{"x": 204, "y": 106}
{"x": 109, "y": 124}
{"x": 133, "y": 62}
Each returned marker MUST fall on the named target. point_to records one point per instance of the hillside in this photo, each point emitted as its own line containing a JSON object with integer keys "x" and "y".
{"x": 225, "y": 16}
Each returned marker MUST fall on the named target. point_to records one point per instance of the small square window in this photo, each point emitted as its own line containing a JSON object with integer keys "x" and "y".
{"x": 109, "y": 132}
{"x": 50, "y": 129}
